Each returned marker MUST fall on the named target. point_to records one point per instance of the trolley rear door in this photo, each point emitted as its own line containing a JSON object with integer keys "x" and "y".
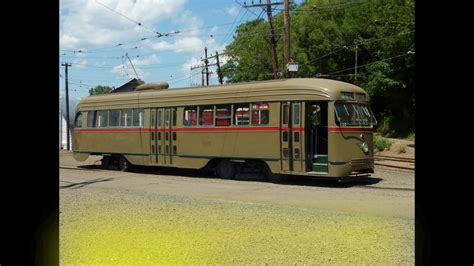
{"x": 156, "y": 136}
{"x": 170, "y": 136}
{"x": 163, "y": 136}
{"x": 290, "y": 136}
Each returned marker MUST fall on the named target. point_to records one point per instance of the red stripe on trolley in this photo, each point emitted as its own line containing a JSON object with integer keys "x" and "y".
{"x": 349, "y": 129}
{"x": 138, "y": 130}
{"x": 197, "y": 129}
{"x": 293, "y": 128}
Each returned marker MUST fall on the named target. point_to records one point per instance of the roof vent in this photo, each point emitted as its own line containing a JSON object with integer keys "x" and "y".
{"x": 159, "y": 85}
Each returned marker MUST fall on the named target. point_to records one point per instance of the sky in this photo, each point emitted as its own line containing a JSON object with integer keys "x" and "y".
{"x": 162, "y": 39}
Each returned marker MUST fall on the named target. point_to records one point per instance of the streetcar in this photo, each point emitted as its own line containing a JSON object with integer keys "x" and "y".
{"x": 280, "y": 128}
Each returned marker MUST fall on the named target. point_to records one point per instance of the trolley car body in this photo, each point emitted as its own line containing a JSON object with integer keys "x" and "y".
{"x": 314, "y": 127}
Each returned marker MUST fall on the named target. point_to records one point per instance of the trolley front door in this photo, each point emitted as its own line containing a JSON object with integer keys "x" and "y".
{"x": 291, "y": 136}
{"x": 285, "y": 137}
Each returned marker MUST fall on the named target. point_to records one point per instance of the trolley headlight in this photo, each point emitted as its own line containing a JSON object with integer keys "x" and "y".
{"x": 364, "y": 147}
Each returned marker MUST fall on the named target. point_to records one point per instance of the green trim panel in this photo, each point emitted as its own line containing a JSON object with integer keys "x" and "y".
{"x": 321, "y": 158}
{"x": 320, "y": 167}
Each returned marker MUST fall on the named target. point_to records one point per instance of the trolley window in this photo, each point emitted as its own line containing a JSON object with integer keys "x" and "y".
{"x": 223, "y": 115}
{"x": 286, "y": 114}
{"x": 78, "y": 121}
{"x": 102, "y": 118}
{"x": 296, "y": 113}
{"x": 91, "y": 115}
{"x": 167, "y": 117}
{"x": 206, "y": 115}
{"x": 190, "y": 116}
{"x": 260, "y": 113}
{"x": 114, "y": 116}
{"x": 159, "y": 117}
{"x": 173, "y": 116}
{"x": 354, "y": 114}
{"x": 138, "y": 117}
{"x": 126, "y": 118}
{"x": 241, "y": 114}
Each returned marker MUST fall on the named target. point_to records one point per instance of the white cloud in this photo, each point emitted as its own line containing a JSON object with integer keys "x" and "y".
{"x": 180, "y": 45}
{"x": 127, "y": 70}
{"x": 232, "y": 11}
{"x": 87, "y": 22}
{"x": 186, "y": 67}
{"x": 153, "y": 59}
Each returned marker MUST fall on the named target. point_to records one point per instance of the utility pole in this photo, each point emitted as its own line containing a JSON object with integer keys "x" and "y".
{"x": 66, "y": 65}
{"x": 272, "y": 41}
{"x": 268, "y": 6}
{"x": 207, "y": 65}
{"x": 219, "y": 73}
{"x": 355, "y": 71}
{"x": 202, "y": 72}
{"x": 286, "y": 36}
{"x": 60, "y": 126}
{"x": 207, "y": 69}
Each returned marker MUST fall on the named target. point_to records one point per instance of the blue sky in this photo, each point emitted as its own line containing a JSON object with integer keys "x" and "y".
{"x": 96, "y": 35}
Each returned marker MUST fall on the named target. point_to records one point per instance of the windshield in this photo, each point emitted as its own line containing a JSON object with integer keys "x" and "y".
{"x": 354, "y": 114}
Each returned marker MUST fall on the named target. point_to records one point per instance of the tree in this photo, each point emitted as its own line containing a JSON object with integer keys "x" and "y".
{"x": 324, "y": 37}
{"x": 100, "y": 90}
{"x": 249, "y": 54}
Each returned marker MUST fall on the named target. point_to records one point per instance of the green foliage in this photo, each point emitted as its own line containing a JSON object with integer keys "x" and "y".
{"x": 100, "y": 90}
{"x": 323, "y": 41}
{"x": 382, "y": 143}
{"x": 394, "y": 127}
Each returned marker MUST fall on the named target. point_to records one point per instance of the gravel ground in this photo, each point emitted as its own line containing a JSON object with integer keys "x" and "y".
{"x": 117, "y": 218}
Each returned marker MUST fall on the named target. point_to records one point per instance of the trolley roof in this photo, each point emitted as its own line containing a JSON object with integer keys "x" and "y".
{"x": 273, "y": 90}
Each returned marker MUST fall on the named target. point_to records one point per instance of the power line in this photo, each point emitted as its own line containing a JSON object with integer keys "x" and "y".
{"x": 356, "y": 44}
{"x": 136, "y": 22}
{"x": 188, "y": 77}
{"x": 405, "y": 54}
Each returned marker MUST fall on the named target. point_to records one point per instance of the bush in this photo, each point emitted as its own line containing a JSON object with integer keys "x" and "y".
{"x": 411, "y": 137}
{"x": 402, "y": 149}
{"x": 382, "y": 143}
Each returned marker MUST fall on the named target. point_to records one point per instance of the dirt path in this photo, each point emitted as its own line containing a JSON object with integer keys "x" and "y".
{"x": 175, "y": 217}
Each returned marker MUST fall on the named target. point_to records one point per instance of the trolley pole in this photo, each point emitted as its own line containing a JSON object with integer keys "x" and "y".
{"x": 66, "y": 65}
{"x": 132, "y": 66}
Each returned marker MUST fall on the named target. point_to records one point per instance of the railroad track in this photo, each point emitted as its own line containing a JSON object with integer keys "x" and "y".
{"x": 393, "y": 158}
{"x": 410, "y": 161}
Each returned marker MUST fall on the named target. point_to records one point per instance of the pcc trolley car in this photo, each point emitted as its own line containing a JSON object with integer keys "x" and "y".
{"x": 311, "y": 127}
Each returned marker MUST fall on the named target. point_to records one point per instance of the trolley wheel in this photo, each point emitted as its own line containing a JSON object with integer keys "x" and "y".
{"x": 225, "y": 169}
{"x": 123, "y": 164}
